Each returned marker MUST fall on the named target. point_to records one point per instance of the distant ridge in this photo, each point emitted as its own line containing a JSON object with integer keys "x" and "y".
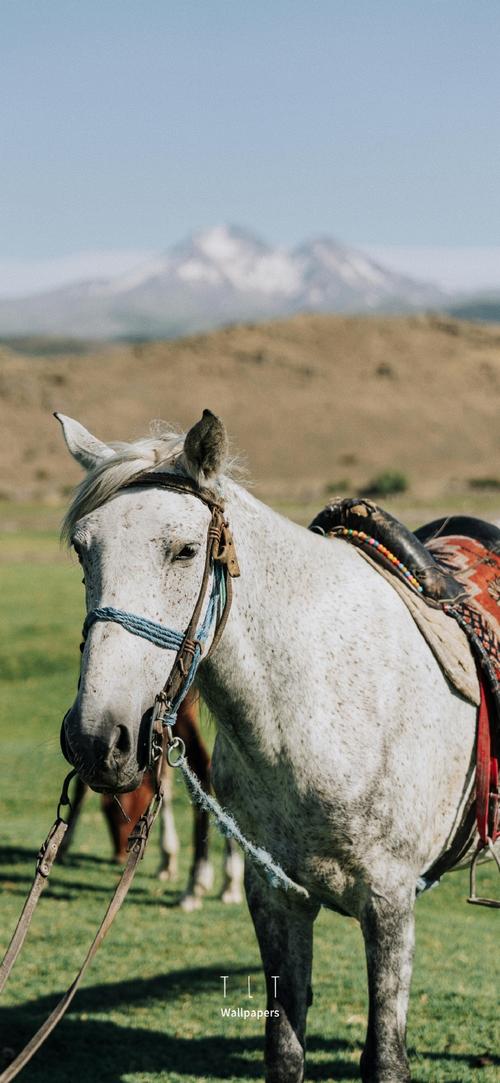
{"x": 319, "y": 405}
{"x": 219, "y": 276}
{"x": 483, "y": 308}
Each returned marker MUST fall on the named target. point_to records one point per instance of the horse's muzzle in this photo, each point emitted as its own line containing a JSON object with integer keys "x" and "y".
{"x": 106, "y": 760}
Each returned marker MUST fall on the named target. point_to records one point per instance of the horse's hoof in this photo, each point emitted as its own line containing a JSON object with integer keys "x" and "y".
{"x": 190, "y": 902}
{"x": 167, "y": 876}
{"x": 231, "y": 896}
{"x": 202, "y": 878}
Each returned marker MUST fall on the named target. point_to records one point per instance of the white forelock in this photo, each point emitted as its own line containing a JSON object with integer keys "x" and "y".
{"x": 157, "y": 452}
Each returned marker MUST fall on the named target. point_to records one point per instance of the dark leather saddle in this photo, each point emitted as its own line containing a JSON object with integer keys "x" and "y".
{"x": 414, "y": 550}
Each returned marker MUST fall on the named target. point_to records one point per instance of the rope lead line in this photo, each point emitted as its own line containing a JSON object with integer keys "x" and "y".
{"x": 229, "y": 828}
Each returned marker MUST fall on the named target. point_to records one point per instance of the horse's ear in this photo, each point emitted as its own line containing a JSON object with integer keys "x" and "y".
{"x": 88, "y": 451}
{"x": 205, "y": 448}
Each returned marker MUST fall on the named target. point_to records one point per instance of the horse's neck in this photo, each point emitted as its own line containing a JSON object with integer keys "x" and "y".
{"x": 275, "y": 556}
{"x": 273, "y": 611}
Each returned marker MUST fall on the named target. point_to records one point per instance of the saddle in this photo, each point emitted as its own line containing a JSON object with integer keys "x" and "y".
{"x": 450, "y": 566}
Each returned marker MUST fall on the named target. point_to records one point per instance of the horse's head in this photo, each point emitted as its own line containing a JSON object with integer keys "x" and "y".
{"x": 142, "y": 551}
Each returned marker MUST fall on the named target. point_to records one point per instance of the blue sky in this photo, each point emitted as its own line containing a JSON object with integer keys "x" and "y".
{"x": 126, "y": 125}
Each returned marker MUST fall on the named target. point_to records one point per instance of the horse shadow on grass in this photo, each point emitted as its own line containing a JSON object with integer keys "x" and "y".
{"x": 17, "y": 855}
{"x": 106, "y": 1051}
{"x": 63, "y": 885}
{"x": 102, "y": 1051}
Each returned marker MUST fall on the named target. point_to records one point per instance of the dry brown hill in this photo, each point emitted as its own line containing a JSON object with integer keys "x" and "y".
{"x": 312, "y": 402}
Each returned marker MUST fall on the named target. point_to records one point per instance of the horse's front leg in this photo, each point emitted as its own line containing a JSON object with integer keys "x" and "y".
{"x": 169, "y": 839}
{"x": 232, "y": 888}
{"x": 388, "y": 930}
{"x": 285, "y": 940}
{"x": 201, "y": 874}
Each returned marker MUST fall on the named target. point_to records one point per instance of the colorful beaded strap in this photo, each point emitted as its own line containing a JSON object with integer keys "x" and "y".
{"x": 366, "y": 539}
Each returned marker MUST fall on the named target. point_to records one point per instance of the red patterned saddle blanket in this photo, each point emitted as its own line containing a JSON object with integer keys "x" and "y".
{"x": 453, "y": 563}
{"x": 469, "y": 550}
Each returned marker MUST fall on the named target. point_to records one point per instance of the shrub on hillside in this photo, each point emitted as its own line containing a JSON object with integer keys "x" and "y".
{"x": 387, "y": 483}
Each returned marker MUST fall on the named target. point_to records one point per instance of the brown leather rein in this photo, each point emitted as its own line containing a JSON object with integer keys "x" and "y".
{"x": 219, "y": 547}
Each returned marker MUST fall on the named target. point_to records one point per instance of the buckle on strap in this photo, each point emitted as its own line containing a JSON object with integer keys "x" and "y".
{"x": 48, "y": 850}
{"x": 225, "y": 551}
{"x": 188, "y": 648}
{"x": 162, "y": 709}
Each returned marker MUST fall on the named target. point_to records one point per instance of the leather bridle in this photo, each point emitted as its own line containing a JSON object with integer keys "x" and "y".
{"x": 205, "y": 627}
{"x": 219, "y": 552}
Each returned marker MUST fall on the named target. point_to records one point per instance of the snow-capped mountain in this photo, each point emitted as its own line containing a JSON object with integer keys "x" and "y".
{"x": 336, "y": 278}
{"x": 219, "y": 276}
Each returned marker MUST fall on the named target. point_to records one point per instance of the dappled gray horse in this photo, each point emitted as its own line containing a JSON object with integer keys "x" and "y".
{"x": 341, "y": 746}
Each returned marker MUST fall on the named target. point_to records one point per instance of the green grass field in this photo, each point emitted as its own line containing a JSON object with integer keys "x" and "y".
{"x": 150, "y": 1006}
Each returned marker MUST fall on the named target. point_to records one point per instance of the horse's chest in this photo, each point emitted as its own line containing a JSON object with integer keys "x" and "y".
{"x": 271, "y": 806}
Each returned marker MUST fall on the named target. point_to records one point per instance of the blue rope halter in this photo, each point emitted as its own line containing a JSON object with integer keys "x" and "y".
{"x": 168, "y": 638}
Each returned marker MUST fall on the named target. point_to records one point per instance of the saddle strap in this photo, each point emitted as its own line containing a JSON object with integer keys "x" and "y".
{"x": 487, "y": 796}
{"x": 137, "y": 844}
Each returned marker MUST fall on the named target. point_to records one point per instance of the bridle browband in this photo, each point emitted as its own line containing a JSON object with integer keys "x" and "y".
{"x": 220, "y": 567}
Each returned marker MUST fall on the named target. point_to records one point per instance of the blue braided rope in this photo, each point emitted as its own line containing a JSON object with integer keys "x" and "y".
{"x": 137, "y": 626}
{"x": 168, "y": 638}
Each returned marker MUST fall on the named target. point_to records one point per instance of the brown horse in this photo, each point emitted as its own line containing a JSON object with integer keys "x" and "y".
{"x": 122, "y": 816}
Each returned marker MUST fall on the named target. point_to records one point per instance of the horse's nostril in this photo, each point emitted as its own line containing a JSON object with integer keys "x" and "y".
{"x": 120, "y": 741}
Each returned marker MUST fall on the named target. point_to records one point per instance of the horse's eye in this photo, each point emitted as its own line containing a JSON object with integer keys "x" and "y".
{"x": 79, "y": 549}
{"x": 187, "y": 552}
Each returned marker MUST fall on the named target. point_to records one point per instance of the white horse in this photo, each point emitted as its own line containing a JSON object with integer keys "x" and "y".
{"x": 341, "y": 746}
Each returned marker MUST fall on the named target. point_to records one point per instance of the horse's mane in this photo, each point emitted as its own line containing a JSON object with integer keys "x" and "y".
{"x": 162, "y": 450}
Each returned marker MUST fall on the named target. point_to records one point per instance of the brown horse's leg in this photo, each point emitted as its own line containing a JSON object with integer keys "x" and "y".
{"x": 169, "y": 839}
{"x": 188, "y": 728}
{"x": 234, "y": 870}
{"x": 201, "y": 872}
{"x": 133, "y": 805}
{"x": 79, "y": 793}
